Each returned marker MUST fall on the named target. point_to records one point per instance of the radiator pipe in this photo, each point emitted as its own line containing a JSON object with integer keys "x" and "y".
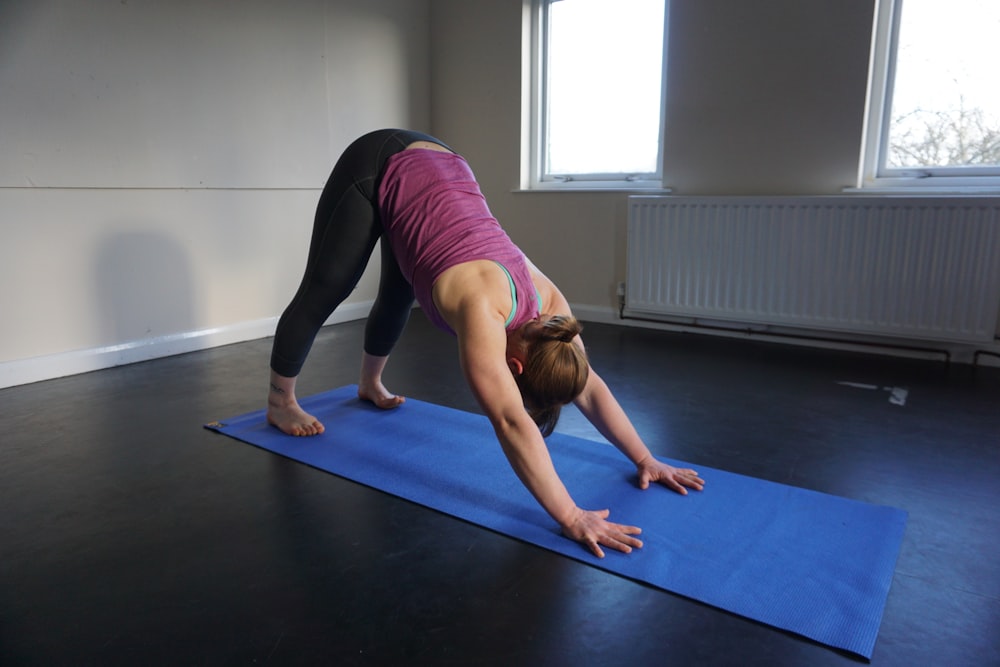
{"x": 821, "y": 339}
{"x": 975, "y": 357}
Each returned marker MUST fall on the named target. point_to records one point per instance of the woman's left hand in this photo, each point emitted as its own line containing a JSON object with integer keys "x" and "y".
{"x": 677, "y": 479}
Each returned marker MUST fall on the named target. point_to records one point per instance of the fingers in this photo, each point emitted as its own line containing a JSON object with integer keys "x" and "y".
{"x": 672, "y": 481}
{"x": 620, "y": 540}
{"x": 629, "y": 530}
{"x": 594, "y": 532}
{"x": 691, "y": 479}
{"x": 679, "y": 480}
{"x": 617, "y": 537}
{"x": 595, "y": 549}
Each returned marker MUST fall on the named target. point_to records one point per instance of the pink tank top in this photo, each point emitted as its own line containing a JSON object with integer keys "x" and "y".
{"x": 436, "y": 217}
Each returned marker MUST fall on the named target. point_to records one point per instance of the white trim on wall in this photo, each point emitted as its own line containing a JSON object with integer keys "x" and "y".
{"x": 48, "y": 367}
{"x": 987, "y": 354}
{"x": 62, "y": 364}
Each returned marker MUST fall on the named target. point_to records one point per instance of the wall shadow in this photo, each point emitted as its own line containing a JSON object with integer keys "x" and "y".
{"x": 144, "y": 287}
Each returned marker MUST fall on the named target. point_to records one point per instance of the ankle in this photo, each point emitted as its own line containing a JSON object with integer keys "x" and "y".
{"x": 370, "y": 382}
{"x": 280, "y": 398}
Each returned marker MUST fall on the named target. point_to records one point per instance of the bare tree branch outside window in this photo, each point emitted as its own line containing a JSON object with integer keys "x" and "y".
{"x": 945, "y": 99}
{"x": 958, "y": 137}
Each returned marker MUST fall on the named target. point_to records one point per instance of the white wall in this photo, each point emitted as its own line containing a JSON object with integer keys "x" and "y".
{"x": 160, "y": 163}
{"x": 764, "y": 98}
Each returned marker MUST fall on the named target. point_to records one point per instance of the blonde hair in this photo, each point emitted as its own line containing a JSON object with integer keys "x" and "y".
{"x": 555, "y": 370}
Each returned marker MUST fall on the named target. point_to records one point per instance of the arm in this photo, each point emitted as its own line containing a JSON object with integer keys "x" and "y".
{"x": 601, "y": 409}
{"x": 482, "y": 347}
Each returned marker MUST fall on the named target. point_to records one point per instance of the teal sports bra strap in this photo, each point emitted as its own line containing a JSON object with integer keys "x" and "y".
{"x": 513, "y": 295}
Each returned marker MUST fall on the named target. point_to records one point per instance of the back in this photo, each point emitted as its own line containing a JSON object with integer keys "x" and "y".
{"x": 435, "y": 217}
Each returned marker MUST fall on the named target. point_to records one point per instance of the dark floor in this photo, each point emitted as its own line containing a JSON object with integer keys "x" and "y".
{"x": 131, "y": 536}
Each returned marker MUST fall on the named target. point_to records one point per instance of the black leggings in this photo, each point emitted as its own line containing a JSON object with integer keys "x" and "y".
{"x": 345, "y": 231}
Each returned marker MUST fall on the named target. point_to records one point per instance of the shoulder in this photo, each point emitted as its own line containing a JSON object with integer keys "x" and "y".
{"x": 472, "y": 293}
{"x": 553, "y": 301}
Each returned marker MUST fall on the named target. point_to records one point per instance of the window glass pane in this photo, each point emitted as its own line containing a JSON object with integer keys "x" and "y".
{"x": 946, "y": 94}
{"x": 604, "y": 73}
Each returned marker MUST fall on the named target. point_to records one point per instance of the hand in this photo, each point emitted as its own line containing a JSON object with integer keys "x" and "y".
{"x": 591, "y": 529}
{"x": 652, "y": 470}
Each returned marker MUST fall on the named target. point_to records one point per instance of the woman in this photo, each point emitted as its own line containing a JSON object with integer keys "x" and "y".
{"x": 518, "y": 343}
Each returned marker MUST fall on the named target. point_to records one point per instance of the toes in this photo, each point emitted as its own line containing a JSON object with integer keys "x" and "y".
{"x": 390, "y": 402}
{"x": 298, "y": 429}
{"x": 313, "y": 428}
{"x": 385, "y": 402}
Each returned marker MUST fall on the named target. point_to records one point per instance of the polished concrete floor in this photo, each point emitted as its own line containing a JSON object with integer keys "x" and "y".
{"x": 131, "y": 536}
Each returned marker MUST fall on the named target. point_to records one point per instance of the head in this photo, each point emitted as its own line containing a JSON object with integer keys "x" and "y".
{"x": 549, "y": 368}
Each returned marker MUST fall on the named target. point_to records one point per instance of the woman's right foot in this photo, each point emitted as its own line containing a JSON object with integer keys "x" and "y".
{"x": 293, "y": 420}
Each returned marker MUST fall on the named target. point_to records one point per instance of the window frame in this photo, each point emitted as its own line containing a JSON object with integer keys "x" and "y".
{"x": 873, "y": 174}
{"x": 535, "y": 176}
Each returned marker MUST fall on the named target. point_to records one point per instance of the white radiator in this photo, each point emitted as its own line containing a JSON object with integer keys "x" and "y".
{"x": 917, "y": 268}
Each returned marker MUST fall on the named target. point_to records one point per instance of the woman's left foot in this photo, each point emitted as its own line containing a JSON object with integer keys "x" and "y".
{"x": 380, "y": 396}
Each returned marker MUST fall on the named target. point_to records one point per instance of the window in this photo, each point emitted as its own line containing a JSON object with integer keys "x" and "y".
{"x": 934, "y": 105}
{"x": 597, "y": 98}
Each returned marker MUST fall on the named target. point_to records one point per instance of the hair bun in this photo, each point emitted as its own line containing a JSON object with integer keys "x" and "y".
{"x": 563, "y": 328}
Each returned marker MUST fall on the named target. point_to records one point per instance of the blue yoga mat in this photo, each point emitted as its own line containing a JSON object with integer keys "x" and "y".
{"x": 807, "y": 562}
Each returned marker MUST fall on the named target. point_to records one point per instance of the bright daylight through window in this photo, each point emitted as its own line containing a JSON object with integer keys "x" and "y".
{"x": 598, "y": 114}
{"x": 934, "y": 116}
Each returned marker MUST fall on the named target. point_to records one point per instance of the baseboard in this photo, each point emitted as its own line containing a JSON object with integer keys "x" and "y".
{"x": 62, "y": 364}
{"x": 586, "y": 313}
{"x": 984, "y": 355}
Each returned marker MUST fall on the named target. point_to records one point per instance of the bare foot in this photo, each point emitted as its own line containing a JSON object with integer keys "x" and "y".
{"x": 293, "y": 420}
{"x": 380, "y": 396}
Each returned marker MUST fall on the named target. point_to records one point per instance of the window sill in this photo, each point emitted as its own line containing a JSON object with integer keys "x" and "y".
{"x": 928, "y": 186}
{"x": 594, "y": 186}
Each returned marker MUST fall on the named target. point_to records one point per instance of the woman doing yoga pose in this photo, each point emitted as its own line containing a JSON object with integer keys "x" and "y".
{"x": 518, "y": 342}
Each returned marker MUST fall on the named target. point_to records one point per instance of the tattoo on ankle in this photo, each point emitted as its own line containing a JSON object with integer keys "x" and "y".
{"x": 278, "y": 390}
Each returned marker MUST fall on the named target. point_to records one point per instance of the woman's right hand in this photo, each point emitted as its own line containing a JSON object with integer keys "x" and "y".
{"x": 592, "y": 529}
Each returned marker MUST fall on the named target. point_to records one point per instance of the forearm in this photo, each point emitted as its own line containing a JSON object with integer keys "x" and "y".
{"x": 529, "y": 457}
{"x": 601, "y": 409}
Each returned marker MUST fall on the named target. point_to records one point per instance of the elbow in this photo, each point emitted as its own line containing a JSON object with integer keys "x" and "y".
{"x": 508, "y": 427}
